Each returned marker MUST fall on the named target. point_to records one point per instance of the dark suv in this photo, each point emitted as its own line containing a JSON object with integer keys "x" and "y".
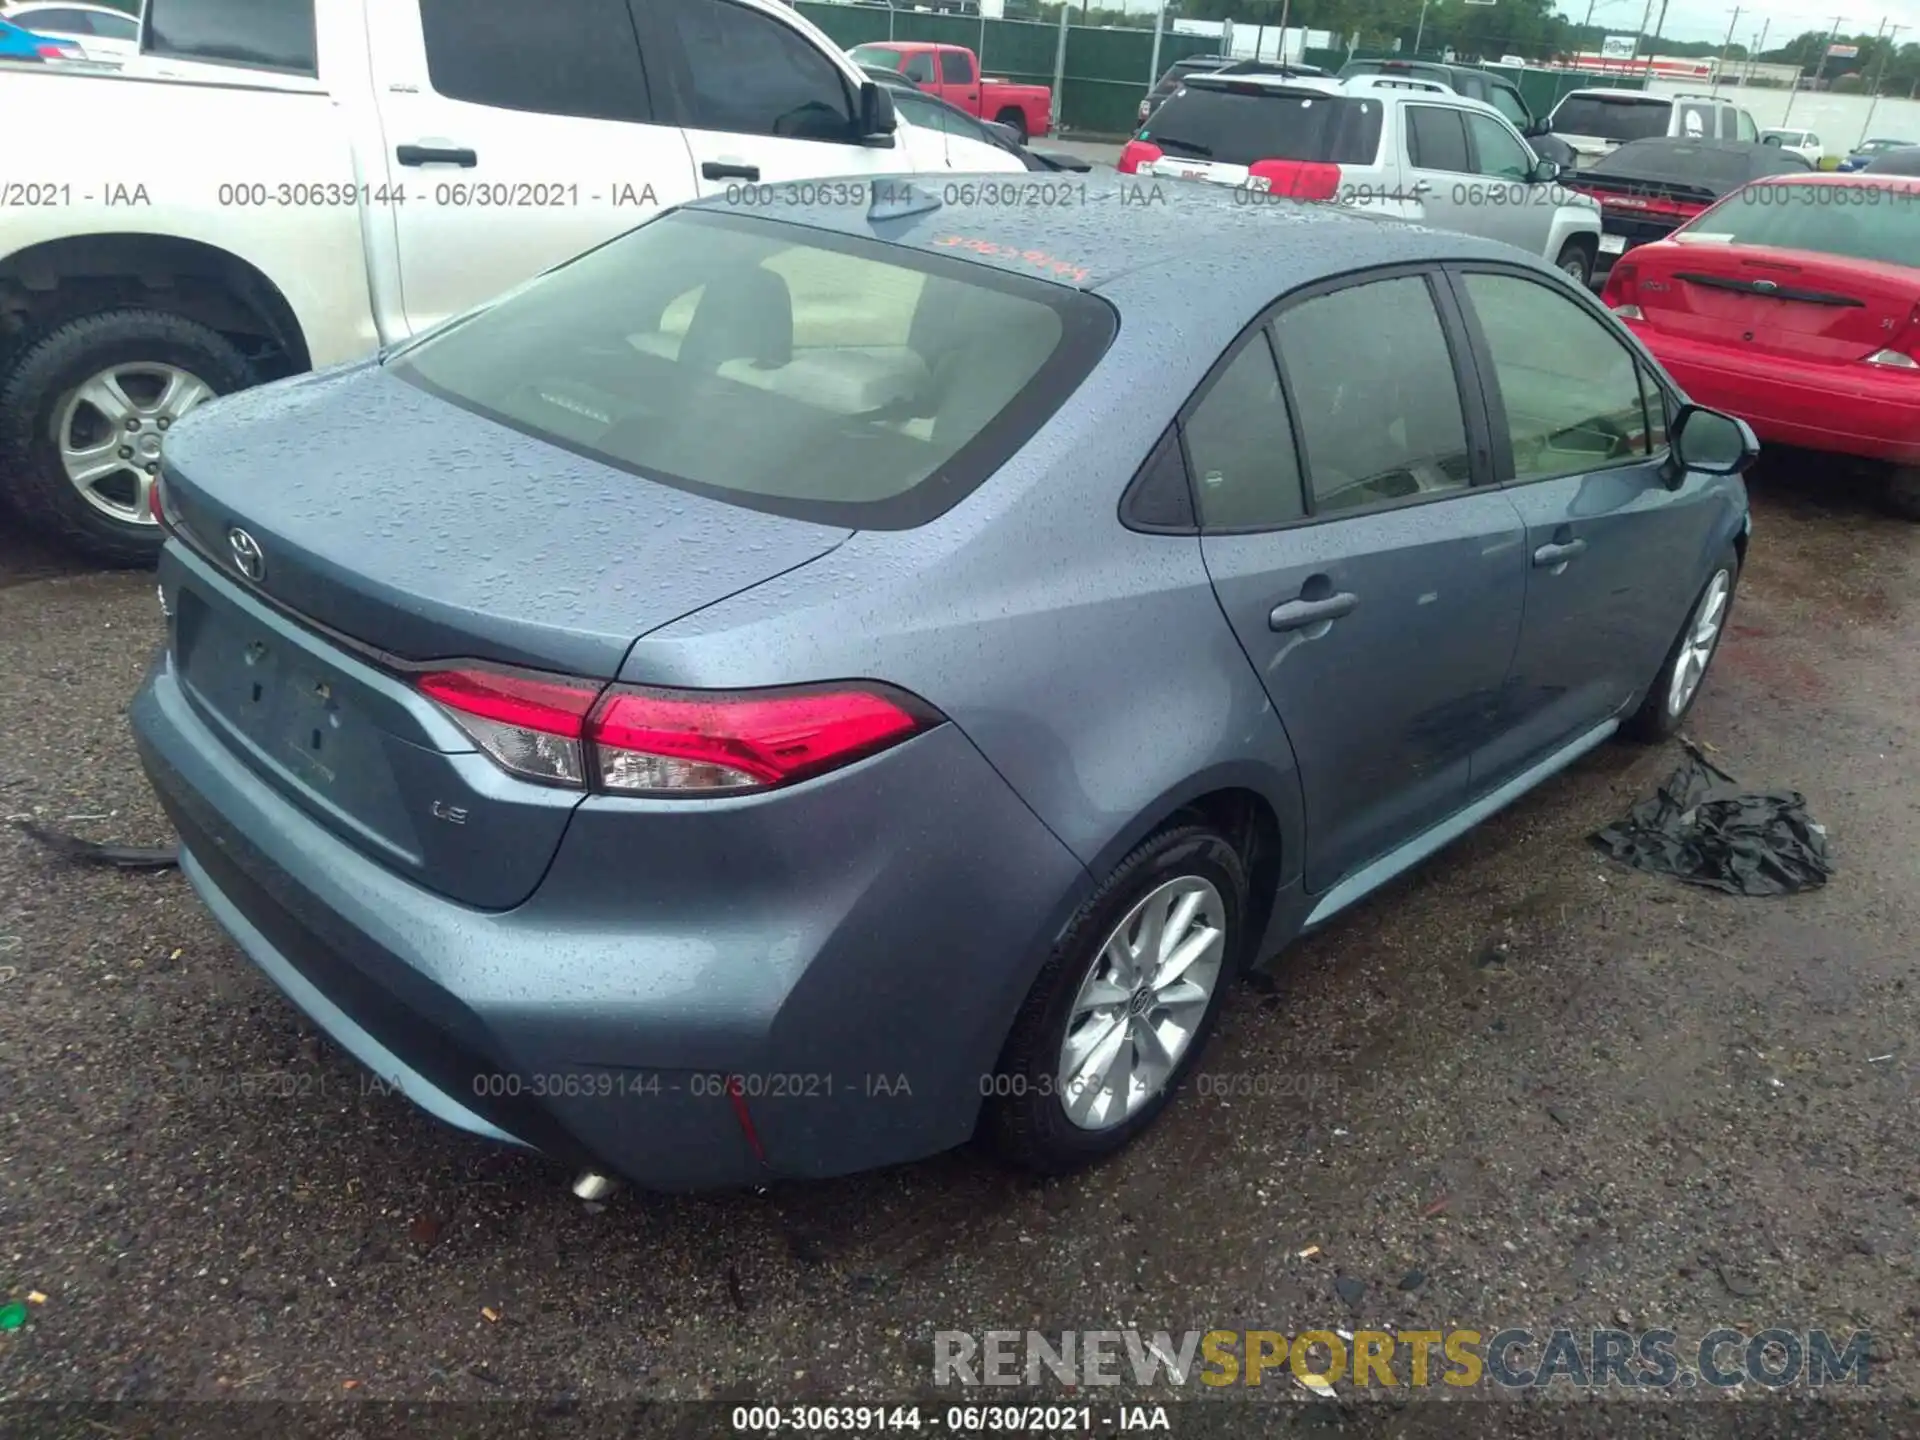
{"x": 1481, "y": 85}
{"x": 1179, "y": 72}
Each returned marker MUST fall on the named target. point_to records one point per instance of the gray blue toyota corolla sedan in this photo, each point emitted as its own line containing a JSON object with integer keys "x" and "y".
{"x": 787, "y": 693}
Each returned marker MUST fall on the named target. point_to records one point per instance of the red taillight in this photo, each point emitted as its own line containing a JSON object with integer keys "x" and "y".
{"x": 1622, "y": 290}
{"x": 1299, "y": 179}
{"x": 533, "y": 727}
{"x": 1137, "y": 154}
{"x": 670, "y": 742}
{"x": 1904, "y": 352}
{"x": 651, "y": 740}
{"x": 54, "y": 52}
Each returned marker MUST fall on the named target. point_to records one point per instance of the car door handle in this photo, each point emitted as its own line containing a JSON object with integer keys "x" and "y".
{"x": 1548, "y": 556}
{"x": 436, "y": 155}
{"x": 1299, "y": 614}
{"x": 728, "y": 170}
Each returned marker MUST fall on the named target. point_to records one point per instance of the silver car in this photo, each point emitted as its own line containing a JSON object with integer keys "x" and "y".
{"x": 1410, "y": 148}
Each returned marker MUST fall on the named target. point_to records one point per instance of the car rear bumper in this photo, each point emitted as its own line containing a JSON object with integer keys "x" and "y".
{"x": 852, "y": 951}
{"x": 1853, "y": 409}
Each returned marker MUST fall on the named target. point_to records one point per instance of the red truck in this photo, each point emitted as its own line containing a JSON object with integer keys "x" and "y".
{"x": 952, "y": 72}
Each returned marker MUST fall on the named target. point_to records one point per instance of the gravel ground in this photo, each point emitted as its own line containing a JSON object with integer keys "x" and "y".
{"x": 1562, "y": 1092}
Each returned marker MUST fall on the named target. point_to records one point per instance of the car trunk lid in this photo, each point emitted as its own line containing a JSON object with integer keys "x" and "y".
{"x": 385, "y": 528}
{"x": 1711, "y": 284}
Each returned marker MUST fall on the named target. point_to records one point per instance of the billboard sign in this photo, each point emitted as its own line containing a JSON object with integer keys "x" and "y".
{"x": 1619, "y": 47}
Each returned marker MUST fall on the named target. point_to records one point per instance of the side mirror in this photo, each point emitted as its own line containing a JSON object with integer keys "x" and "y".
{"x": 1544, "y": 171}
{"x": 877, "y": 118}
{"x": 1711, "y": 443}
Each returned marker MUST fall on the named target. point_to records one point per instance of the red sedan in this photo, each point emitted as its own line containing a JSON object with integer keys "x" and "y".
{"x": 1794, "y": 303}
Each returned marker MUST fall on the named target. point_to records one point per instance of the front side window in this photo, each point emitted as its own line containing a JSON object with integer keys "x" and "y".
{"x": 260, "y": 34}
{"x": 1496, "y": 151}
{"x": 1379, "y": 406}
{"x": 1437, "y": 139}
{"x": 752, "y": 75}
{"x": 1510, "y": 105}
{"x": 1240, "y": 446}
{"x": 1570, "y": 389}
{"x": 775, "y": 366}
{"x": 582, "y": 60}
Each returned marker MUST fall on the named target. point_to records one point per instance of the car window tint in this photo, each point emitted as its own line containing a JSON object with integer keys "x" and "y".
{"x": 919, "y": 67}
{"x": 581, "y": 59}
{"x": 753, "y": 75}
{"x": 1239, "y": 127}
{"x": 116, "y": 27}
{"x": 1241, "y": 446}
{"x": 1612, "y": 118}
{"x": 1570, "y": 388}
{"x": 1812, "y": 216}
{"x": 956, "y": 67}
{"x": 57, "y": 22}
{"x": 1509, "y": 105}
{"x": 784, "y": 368}
{"x": 1437, "y": 138}
{"x": 1655, "y": 400}
{"x": 1379, "y": 406}
{"x": 1496, "y": 151}
{"x": 929, "y": 113}
{"x": 1696, "y": 122}
{"x": 267, "y": 34}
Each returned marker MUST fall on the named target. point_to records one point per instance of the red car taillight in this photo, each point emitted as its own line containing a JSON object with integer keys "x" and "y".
{"x": 1138, "y": 153}
{"x": 635, "y": 741}
{"x": 1622, "y": 292}
{"x": 1299, "y": 179}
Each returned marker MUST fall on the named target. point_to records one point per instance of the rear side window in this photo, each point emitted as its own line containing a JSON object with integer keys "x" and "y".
{"x": 115, "y": 27}
{"x": 1240, "y": 445}
{"x": 1242, "y": 125}
{"x": 57, "y": 22}
{"x": 1379, "y": 406}
{"x": 1696, "y": 122}
{"x": 261, "y": 34}
{"x": 1883, "y": 226}
{"x": 582, "y": 58}
{"x": 776, "y": 367}
{"x": 752, "y": 75}
{"x": 956, "y": 67}
{"x": 1610, "y": 119}
{"x": 1437, "y": 138}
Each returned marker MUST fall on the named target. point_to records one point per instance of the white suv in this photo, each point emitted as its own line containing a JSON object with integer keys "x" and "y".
{"x": 1410, "y": 148}
{"x": 1598, "y": 122}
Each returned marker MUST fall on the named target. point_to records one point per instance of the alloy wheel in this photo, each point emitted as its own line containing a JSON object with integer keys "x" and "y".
{"x": 1142, "y": 1001}
{"x": 1703, "y": 633}
{"x": 109, "y": 432}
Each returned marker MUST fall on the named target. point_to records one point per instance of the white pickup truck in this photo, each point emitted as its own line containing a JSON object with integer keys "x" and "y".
{"x": 361, "y": 170}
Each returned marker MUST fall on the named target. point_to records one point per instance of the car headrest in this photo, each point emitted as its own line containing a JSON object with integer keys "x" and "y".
{"x": 746, "y": 319}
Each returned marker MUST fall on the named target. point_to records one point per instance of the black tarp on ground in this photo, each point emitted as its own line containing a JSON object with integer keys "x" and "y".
{"x": 1701, "y": 827}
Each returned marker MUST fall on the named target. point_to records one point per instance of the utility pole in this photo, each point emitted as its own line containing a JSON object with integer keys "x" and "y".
{"x": 1646, "y": 13}
{"x": 1725, "y": 46}
{"x": 1874, "y": 103}
{"x": 1817, "y": 76}
{"x": 1658, "y": 26}
{"x": 1421, "y": 29}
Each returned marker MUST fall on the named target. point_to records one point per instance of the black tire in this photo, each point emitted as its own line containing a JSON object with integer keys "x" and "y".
{"x": 1028, "y": 1126}
{"x": 1016, "y": 120}
{"x": 1576, "y": 251}
{"x": 1656, "y": 719}
{"x": 1903, "y": 492}
{"x": 50, "y": 367}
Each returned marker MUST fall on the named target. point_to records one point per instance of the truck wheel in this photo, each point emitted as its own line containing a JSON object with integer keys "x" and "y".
{"x": 1015, "y": 120}
{"x": 1903, "y": 492}
{"x": 83, "y": 411}
{"x": 1576, "y": 261}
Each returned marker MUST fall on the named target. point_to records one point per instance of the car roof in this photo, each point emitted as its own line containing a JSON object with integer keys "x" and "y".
{"x": 1623, "y": 97}
{"x": 1371, "y": 86}
{"x": 1112, "y": 226}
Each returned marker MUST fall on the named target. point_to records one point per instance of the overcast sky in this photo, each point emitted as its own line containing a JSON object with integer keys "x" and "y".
{"x": 1707, "y": 20}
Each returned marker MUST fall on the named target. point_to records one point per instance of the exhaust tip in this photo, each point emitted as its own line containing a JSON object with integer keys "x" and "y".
{"x": 592, "y": 1185}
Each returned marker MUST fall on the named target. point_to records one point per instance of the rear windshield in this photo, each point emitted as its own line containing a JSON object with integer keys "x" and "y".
{"x": 779, "y": 367}
{"x": 1609, "y": 119}
{"x": 1860, "y": 222}
{"x": 1239, "y": 127}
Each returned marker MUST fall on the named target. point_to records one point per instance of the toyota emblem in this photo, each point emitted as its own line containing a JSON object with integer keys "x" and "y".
{"x": 247, "y": 556}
